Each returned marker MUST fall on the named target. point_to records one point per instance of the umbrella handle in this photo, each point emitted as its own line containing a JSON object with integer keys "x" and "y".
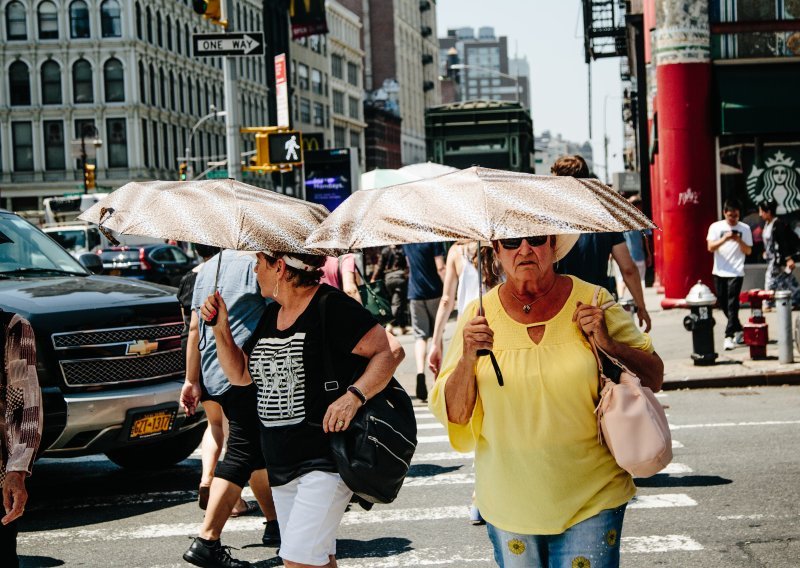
{"x": 485, "y": 352}
{"x": 213, "y": 321}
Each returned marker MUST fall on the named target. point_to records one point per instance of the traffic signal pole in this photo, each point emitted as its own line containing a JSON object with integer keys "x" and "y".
{"x": 232, "y": 120}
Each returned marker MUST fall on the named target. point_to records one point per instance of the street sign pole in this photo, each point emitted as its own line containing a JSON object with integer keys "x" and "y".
{"x": 231, "y": 100}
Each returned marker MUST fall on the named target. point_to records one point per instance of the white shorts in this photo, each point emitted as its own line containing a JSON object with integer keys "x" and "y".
{"x": 309, "y": 510}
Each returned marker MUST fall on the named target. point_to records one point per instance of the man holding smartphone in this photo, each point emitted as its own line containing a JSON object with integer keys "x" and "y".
{"x": 731, "y": 241}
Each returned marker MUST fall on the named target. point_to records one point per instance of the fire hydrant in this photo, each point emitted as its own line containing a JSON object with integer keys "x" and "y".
{"x": 700, "y": 322}
{"x": 756, "y": 330}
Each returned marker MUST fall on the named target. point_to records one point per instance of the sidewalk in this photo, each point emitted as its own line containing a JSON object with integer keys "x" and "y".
{"x": 674, "y": 344}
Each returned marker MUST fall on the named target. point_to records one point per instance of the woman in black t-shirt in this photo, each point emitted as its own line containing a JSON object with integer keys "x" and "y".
{"x": 284, "y": 357}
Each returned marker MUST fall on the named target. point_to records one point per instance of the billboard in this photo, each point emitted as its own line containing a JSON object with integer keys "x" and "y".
{"x": 331, "y": 175}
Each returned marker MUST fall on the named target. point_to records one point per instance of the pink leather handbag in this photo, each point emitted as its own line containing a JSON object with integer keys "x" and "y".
{"x": 630, "y": 420}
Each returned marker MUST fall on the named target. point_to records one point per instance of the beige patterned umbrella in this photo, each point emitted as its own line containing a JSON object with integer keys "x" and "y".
{"x": 223, "y": 213}
{"x": 479, "y": 204}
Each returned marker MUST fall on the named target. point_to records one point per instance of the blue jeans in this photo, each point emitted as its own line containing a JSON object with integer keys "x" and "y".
{"x": 593, "y": 543}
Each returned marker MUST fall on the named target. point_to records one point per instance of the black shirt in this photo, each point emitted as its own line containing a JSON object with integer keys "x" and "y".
{"x": 288, "y": 368}
{"x": 588, "y": 259}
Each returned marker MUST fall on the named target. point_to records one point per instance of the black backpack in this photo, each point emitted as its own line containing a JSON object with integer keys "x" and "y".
{"x": 374, "y": 454}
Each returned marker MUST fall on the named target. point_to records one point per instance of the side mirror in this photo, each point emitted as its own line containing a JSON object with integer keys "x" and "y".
{"x": 91, "y": 262}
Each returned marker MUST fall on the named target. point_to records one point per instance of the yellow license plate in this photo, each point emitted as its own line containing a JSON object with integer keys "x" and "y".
{"x": 152, "y": 424}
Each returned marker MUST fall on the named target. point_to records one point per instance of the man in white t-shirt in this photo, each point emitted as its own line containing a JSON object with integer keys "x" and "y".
{"x": 731, "y": 241}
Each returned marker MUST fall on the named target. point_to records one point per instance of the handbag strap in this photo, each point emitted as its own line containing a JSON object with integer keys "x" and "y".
{"x": 597, "y": 350}
{"x": 327, "y": 357}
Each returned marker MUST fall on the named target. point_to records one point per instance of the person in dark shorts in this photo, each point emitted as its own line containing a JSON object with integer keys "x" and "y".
{"x": 393, "y": 268}
{"x": 206, "y": 381}
{"x": 426, "y": 268}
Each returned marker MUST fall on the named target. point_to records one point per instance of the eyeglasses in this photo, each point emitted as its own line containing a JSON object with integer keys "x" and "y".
{"x": 513, "y": 244}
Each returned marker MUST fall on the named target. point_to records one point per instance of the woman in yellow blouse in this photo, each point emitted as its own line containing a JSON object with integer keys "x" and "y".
{"x": 550, "y": 493}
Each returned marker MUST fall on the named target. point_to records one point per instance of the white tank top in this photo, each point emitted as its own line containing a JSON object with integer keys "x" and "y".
{"x": 468, "y": 282}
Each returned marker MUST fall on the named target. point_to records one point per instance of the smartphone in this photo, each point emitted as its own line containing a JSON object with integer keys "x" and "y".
{"x": 735, "y": 232}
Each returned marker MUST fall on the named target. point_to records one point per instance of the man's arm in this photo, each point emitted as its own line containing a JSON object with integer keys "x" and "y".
{"x": 190, "y": 392}
{"x": 23, "y": 415}
{"x": 714, "y": 244}
{"x": 441, "y": 267}
{"x": 630, "y": 274}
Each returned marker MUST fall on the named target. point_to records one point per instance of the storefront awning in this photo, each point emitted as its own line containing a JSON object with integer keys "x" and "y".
{"x": 758, "y": 99}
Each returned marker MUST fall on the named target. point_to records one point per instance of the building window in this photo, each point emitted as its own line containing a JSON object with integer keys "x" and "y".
{"x": 191, "y": 100}
{"x": 165, "y": 139}
{"x": 355, "y": 139}
{"x": 319, "y": 114}
{"x": 51, "y": 83}
{"x": 338, "y": 102}
{"x": 163, "y": 88}
{"x": 172, "y": 91}
{"x": 159, "y": 30}
{"x": 302, "y": 76}
{"x": 19, "y": 84}
{"x": 354, "y": 105}
{"x": 169, "y": 33}
{"x": 305, "y": 110}
{"x": 114, "y": 79}
{"x": 117, "y": 146}
{"x": 16, "y": 24}
{"x": 111, "y": 19}
{"x": 79, "y": 20}
{"x": 84, "y": 128}
{"x": 54, "y": 157}
{"x": 48, "y": 21}
{"x": 82, "y": 89}
{"x": 352, "y": 73}
{"x": 337, "y": 66}
{"x": 148, "y": 17}
{"x": 138, "y": 21}
{"x": 153, "y": 100}
{"x": 180, "y": 94}
{"x": 142, "y": 84}
{"x": 22, "y": 141}
{"x": 339, "y": 135}
{"x": 316, "y": 81}
{"x": 145, "y": 144}
{"x": 156, "y": 157}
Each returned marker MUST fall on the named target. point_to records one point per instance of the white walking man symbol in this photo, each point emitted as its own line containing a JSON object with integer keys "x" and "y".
{"x": 291, "y": 148}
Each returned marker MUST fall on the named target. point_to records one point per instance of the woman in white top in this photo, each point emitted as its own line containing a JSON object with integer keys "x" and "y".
{"x": 461, "y": 281}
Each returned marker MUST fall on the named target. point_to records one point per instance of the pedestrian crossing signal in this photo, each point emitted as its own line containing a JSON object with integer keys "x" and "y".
{"x": 285, "y": 147}
{"x": 182, "y": 171}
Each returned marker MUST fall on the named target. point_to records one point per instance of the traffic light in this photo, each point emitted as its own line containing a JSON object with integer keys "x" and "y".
{"x": 182, "y": 171}
{"x": 209, "y": 9}
{"x": 89, "y": 177}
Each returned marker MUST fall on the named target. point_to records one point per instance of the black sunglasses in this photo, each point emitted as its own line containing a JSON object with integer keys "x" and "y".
{"x": 512, "y": 244}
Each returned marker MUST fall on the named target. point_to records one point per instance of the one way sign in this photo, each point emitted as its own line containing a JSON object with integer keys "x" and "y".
{"x": 231, "y": 45}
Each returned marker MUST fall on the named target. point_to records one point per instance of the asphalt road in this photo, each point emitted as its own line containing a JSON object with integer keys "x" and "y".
{"x": 730, "y": 498}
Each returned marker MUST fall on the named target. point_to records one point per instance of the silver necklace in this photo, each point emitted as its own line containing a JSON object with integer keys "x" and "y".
{"x": 527, "y": 307}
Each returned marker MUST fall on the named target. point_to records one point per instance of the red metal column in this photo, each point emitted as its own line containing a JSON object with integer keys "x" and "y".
{"x": 687, "y": 180}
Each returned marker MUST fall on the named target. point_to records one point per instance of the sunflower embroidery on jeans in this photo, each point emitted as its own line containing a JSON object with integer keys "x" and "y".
{"x": 611, "y": 537}
{"x": 581, "y": 562}
{"x": 516, "y": 546}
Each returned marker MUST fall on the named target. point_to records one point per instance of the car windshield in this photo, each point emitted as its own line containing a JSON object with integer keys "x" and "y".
{"x": 70, "y": 239}
{"x": 25, "y": 250}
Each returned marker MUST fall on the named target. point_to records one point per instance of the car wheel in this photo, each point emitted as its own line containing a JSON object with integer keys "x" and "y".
{"x": 159, "y": 454}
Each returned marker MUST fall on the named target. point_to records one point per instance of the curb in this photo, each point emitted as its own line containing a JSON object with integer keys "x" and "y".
{"x": 755, "y": 380}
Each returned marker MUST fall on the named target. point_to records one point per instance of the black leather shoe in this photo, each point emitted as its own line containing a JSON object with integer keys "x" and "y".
{"x": 272, "y": 534}
{"x": 214, "y": 556}
{"x": 422, "y": 390}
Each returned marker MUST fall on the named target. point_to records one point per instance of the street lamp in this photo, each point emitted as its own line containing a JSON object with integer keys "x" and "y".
{"x": 188, "y": 153}
{"x": 89, "y": 130}
{"x": 515, "y": 78}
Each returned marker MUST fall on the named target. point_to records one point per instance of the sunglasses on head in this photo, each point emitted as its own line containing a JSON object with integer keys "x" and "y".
{"x": 512, "y": 244}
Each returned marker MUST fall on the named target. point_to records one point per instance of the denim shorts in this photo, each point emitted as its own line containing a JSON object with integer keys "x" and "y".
{"x": 593, "y": 543}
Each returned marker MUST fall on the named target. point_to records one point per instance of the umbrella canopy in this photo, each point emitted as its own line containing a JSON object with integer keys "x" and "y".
{"x": 385, "y": 177}
{"x": 222, "y": 213}
{"x": 425, "y": 170}
{"x": 476, "y": 204}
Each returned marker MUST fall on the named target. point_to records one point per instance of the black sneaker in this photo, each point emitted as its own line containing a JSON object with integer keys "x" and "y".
{"x": 272, "y": 534}
{"x": 422, "y": 390}
{"x": 213, "y": 556}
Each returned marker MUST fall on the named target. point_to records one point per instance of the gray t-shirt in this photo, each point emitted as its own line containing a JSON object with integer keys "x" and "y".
{"x": 239, "y": 288}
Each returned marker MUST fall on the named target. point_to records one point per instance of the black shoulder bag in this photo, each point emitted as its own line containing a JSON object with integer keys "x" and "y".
{"x": 374, "y": 454}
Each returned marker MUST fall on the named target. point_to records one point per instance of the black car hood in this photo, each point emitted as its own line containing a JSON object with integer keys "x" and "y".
{"x": 27, "y": 296}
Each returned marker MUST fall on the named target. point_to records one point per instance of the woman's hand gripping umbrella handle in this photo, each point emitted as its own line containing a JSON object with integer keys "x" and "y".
{"x": 213, "y": 321}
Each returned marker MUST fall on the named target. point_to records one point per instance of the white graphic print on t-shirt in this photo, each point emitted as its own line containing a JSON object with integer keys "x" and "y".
{"x": 276, "y": 366}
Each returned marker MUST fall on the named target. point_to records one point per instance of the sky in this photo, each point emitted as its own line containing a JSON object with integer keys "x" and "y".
{"x": 549, "y": 33}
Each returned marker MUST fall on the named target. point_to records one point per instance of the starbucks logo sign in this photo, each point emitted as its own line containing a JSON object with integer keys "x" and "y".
{"x": 777, "y": 180}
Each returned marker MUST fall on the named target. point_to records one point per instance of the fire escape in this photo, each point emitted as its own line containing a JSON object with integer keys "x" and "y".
{"x": 604, "y": 32}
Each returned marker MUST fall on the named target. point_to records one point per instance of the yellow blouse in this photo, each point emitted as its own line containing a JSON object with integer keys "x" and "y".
{"x": 539, "y": 467}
